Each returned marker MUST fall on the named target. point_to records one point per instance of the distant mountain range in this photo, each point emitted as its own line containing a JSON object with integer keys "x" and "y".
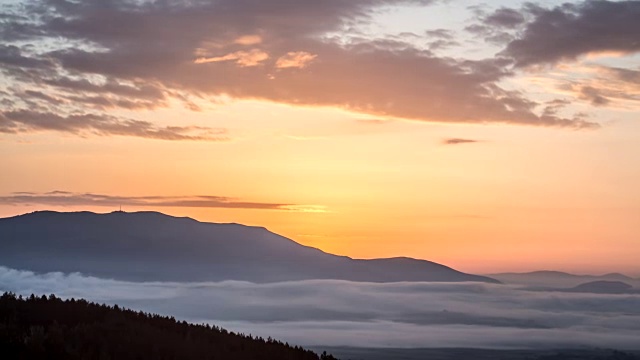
{"x": 592, "y": 287}
{"x": 150, "y": 246}
{"x": 604, "y": 287}
{"x": 559, "y": 279}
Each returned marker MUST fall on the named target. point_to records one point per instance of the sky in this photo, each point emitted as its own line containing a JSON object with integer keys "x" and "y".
{"x": 496, "y": 136}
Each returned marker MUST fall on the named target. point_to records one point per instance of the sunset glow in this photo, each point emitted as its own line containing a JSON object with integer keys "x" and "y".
{"x": 363, "y": 128}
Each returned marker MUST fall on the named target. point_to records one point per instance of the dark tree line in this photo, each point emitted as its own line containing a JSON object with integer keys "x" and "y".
{"x": 51, "y": 328}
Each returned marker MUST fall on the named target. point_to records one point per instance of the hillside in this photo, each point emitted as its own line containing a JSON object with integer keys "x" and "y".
{"x": 604, "y": 287}
{"x": 150, "y": 246}
{"x": 50, "y": 328}
{"x": 556, "y": 278}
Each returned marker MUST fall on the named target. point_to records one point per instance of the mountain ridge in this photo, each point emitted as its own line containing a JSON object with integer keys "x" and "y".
{"x": 604, "y": 287}
{"x": 154, "y": 246}
{"x": 557, "y": 279}
{"x": 612, "y": 275}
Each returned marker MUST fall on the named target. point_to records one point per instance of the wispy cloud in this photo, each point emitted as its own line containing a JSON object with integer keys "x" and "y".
{"x": 458, "y": 141}
{"x": 295, "y": 59}
{"x": 27, "y": 121}
{"x": 253, "y": 57}
{"x": 63, "y": 198}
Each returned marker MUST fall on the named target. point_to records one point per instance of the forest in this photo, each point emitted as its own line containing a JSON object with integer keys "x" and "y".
{"x": 47, "y": 327}
{"x": 41, "y": 327}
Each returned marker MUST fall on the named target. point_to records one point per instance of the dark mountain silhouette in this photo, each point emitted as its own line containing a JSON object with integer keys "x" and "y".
{"x": 604, "y": 287}
{"x": 616, "y": 276}
{"x": 556, "y": 278}
{"x": 594, "y": 287}
{"x": 50, "y": 328}
{"x": 150, "y": 246}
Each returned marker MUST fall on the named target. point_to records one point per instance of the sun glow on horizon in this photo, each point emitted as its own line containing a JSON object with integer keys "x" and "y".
{"x": 467, "y": 135}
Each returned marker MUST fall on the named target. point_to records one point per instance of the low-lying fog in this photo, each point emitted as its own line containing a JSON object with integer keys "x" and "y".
{"x": 343, "y": 313}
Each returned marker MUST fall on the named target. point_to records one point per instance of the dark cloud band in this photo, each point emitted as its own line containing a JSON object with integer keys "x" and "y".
{"x": 269, "y": 50}
{"x": 26, "y": 121}
{"x": 571, "y": 30}
{"x": 63, "y": 198}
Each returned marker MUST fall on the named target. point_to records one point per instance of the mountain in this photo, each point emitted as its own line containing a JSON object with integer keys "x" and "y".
{"x": 603, "y": 287}
{"x": 593, "y": 287}
{"x": 150, "y": 246}
{"x": 50, "y": 328}
{"x": 556, "y": 278}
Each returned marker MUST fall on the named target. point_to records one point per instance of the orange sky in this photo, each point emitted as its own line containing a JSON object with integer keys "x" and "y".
{"x": 521, "y": 198}
{"x": 355, "y": 169}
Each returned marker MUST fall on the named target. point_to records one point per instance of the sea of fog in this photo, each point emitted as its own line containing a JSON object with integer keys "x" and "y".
{"x": 344, "y": 313}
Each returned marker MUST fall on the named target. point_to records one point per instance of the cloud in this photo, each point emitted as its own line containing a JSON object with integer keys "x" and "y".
{"x": 44, "y": 99}
{"x": 597, "y": 85}
{"x": 593, "y": 95}
{"x": 249, "y": 40}
{"x": 63, "y": 198}
{"x": 295, "y": 59}
{"x": 328, "y": 312}
{"x": 253, "y": 57}
{"x": 27, "y": 121}
{"x": 628, "y": 75}
{"x": 505, "y": 17}
{"x": 107, "y": 94}
{"x": 199, "y": 48}
{"x": 443, "y": 34}
{"x": 443, "y": 39}
{"x": 571, "y": 30}
{"x": 609, "y": 85}
{"x": 12, "y": 56}
{"x": 458, "y": 141}
{"x": 497, "y": 27}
